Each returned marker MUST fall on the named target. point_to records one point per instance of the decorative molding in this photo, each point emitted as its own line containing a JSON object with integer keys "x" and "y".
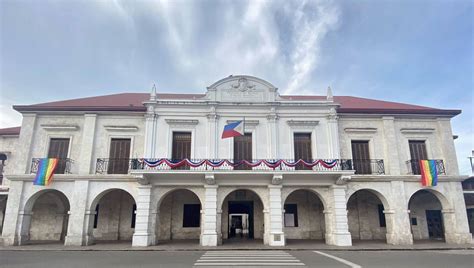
{"x": 120, "y": 128}
{"x": 360, "y": 130}
{"x": 416, "y": 130}
{"x": 249, "y": 123}
{"x": 210, "y": 179}
{"x": 342, "y": 180}
{"x": 182, "y": 122}
{"x": 302, "y": 123}
{"x": 60, "y": 127}
{"x": 277, "y": 179}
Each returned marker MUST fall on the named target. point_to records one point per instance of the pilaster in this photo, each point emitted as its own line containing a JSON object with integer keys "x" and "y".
{"x": 337, "y": 228}
{"x": 333, "y": 135}
{"x": 145, "y": 219}
{"x": 151, "y": 125}
{"x": 397, "y": 217}
{"x": 276, "y": 236}
{"x": 77, "y": 226}
{"x": 209, "y": 235}
{"x": 25, "y": 141}
{"x": 13, "y": 220}
{"x": 392, "y": 156}
{"x": 87, "y": 144}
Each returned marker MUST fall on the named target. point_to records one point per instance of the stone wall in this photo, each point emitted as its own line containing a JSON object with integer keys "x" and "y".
{"x": 115, "y": 217}
{"x": 310, "y": 216}
{"x": 258, "y": 220}
{"x": 363, "y": 217}
{"x": 170, "y": 216}
{"x": 50, "y": 218}
{"x": 419, "y": 203}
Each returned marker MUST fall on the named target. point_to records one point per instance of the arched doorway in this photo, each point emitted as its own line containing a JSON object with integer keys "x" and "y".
{"x": 242, "y": 217}
{"x": 3, "y": 207}
{"x": 366, "y": 217}
{"x": 426, "y": 218}
{"x": 303, "y": 217}
{"x": 179, "y": 217}
{"x": 48, "y": 217}
{"x": 114, "y": 219}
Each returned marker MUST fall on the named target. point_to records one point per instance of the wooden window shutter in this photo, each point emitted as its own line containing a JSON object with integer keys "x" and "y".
{"x": 119, "y": 156}
{"x": 181, "y": 147}
{"x": 243, "y": 150}
{"x": 361, "y": 157}
{"x": 302, "y": 144}
{"x": 58, "y": 148}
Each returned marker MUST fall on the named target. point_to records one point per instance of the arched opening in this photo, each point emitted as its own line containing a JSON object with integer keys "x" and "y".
{"x": 366, "y": 218}
{"x": 46, "y": 217}
{"x": 303, "y": 217}
{"x": 468, "y": 189}
{"x": 426, "y": 218}
{"x": 179, "y": 218}
{"x": 242, "y": 217}
{"x": 114, "y": 219}
{"x": 3, "y": 207}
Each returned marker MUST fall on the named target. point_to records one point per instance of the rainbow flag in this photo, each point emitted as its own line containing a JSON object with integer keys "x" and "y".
{"x": 46, "y": 168}
{"x": 429, "y": 174}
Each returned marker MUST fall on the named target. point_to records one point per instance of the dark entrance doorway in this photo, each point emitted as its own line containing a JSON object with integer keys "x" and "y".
{"x": 435, "y": 224}
{"x": 241, "y": 219}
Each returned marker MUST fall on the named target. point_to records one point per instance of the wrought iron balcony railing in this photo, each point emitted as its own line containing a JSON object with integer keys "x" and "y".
{"x": 366, "y": 166}
{"x": 413, "y": 166}
{"x": 63, "y": 166}
{"x": 123, "y": 166}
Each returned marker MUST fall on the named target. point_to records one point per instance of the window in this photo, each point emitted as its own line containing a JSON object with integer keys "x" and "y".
{"x": 302, "y": 144}
{"x": 413, "y": 221}
{"x": 96, "y": 216}
{"x": 58, "y": 148}
{"x": 181, "y": 147}
{"x": 119, "y": 156}
{"x": 134, "y": 215}
{"x": 243, "y": 150}
{"x": 361, "y": 157}
{"x": 291, "y": 215}
{"x": 417, "y": 152}
{"x": 191, "y": 215}
{"x": 382, "y": 222}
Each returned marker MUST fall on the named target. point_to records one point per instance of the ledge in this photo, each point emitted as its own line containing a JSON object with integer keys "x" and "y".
{"x": 181, "y": 122}
{"x": 302, "y": 123}
{"x": 408, "y": 178}
{"x": 120, "y": 128}
{"x": 360, "y": 130}
{"x": 417, "y": 130}
{"x": 76, "y": 177}
{"x": 61, "y": 127}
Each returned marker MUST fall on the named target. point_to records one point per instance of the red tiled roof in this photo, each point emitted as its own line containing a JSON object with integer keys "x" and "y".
{"x": 10, "y": 131}
{"x": 133, "y": 102}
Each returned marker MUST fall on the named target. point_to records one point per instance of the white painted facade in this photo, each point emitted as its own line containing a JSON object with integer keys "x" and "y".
{"x": 321, "y": 196}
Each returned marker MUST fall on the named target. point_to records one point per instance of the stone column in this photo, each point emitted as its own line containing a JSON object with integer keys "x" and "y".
{"x": 397, "y": 216}
{"x": 209, "y": 222}
{"x": 77, "y": 226}
{"x": 87, "y": 144}
{"x": 337, "y": 228}
{"x": 13, "y": 220}
{"x": 276, "y": 236}
{"x": 392, "y": 157}
{"x": 456, "y": 228}
{"x": 145, "y": 220}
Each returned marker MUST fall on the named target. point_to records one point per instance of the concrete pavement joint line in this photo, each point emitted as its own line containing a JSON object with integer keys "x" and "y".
{"x": 346, "y": 262}
{"x": 247, "y": 258}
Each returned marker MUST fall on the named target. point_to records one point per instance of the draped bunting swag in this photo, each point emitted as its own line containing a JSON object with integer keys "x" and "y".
{"x": 215, "y": 164}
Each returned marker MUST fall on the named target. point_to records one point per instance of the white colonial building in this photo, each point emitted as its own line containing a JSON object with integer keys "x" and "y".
{"x": 116, "y": 178}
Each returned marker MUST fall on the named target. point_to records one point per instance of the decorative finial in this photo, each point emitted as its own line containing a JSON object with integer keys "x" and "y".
{"x": 329, "y": 94}
{"x": 153, "y": 93}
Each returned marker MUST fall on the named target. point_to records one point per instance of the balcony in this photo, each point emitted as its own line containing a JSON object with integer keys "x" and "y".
{"x": 413, "y": 166}
{"x": 365, "y": 166}
{"x": 124, "y": 166}
{"x": 63, "y": 166}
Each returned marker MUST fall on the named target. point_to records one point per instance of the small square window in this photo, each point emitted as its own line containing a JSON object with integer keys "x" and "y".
{"x": 191, "y": 215}
{"x": 413, "y": 221}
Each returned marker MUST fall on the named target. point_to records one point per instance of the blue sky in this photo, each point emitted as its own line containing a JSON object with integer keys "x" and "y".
{"x": 418, "y": 52}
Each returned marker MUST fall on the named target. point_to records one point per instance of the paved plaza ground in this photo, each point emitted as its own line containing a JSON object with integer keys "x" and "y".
{"x": 237, "y": 258}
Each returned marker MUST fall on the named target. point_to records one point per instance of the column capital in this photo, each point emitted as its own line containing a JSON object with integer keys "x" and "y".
{"x": 277, "y": 179}
{"x": 210, "y": 179}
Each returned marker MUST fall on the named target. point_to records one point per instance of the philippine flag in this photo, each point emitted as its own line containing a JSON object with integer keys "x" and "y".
{"x": 233, "y": 129}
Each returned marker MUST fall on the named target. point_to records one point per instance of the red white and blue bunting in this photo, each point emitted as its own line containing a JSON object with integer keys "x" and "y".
{"x": 218, "y": 163}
